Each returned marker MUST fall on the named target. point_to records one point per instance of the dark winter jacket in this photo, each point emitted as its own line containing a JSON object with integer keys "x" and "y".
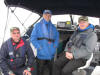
{"x": 14, "y": 56}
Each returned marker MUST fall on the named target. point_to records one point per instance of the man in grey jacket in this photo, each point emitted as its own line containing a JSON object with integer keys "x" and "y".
{"x": 78, "y": 49}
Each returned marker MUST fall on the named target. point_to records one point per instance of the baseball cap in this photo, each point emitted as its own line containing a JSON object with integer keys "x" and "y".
{"x": 83, "y": 18}
{"x": 47, "y": 12}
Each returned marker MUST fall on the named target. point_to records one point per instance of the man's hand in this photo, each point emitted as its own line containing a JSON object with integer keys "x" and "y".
{"x": 69, "y": 55}
{"x": 26, "y": 72}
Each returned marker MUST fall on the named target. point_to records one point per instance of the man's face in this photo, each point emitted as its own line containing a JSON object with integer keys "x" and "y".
{"x": 83, "y": 24}
{"x": 15, "y": 35}
{"x": 47, "y": 17}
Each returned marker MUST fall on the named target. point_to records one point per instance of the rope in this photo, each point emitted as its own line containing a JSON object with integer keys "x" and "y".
{"x": 12, "y": 11}
{"x": 36, "y": 21}
{"x": 17, "y": 18}
{"x": 27, "y": 17}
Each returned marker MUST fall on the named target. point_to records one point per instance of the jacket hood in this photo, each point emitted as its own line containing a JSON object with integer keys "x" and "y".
{"x": 89, "y": 27}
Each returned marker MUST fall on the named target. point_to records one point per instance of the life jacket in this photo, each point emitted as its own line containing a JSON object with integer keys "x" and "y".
{"x": 21, "y": 46}
{"x": 49, "y": 39}
{"x": 78, "y": 38}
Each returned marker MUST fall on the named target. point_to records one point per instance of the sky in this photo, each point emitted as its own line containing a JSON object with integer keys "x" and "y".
{"x": 23, "y": 14}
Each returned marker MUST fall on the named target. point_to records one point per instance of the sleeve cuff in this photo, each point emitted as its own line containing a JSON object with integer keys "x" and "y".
{"x": 10, "y": 72}
{"x": 30, "y": 69}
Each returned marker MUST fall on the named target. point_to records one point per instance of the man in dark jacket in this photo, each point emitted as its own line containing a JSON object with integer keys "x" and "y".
{"x": 78, "y": 49}
{"x": 14, "y": 53}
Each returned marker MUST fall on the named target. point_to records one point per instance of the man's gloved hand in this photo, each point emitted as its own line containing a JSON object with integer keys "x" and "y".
{"x": 26, "y": 72}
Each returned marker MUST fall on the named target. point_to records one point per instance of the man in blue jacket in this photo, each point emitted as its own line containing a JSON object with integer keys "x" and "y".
{"x": 45, "y": 38}
{"x": 16, "y": 55}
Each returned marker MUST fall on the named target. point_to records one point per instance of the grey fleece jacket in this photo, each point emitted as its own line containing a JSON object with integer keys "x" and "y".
{"x": 85, "y": 48}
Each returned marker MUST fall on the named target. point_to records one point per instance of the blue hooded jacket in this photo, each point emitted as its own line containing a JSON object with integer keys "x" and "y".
{"x": 45, "y": 50}
{"x": 90, "y": 26}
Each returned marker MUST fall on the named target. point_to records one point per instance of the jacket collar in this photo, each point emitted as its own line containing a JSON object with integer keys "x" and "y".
{"x": 19, "y": 44}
